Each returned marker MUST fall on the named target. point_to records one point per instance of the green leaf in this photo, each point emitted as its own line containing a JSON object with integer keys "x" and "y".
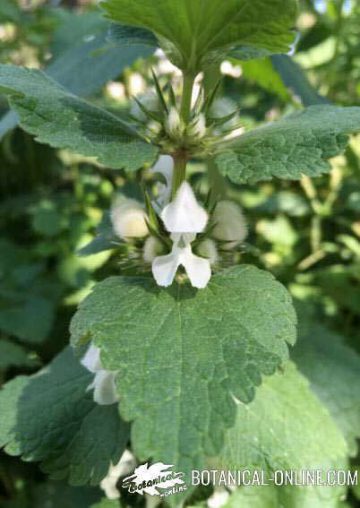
{"x": 128, "y": 35}
{"x": 14, "y": 355}
{"x": 333, "y": 370}
{"x": 296, "y": 145}
{"x": 104, "y": 240}
{"x": 296, "y": 80}
{"x": 60, "y": 495}
{"x": 193, "y": 33}
{"x": 90, "y": 60}
{"x": 27, "y": 297}
{"x": 107, "y": 503}
{"x": 62, "y": 120}
{"x": 262, "y": 73}
{"x": 285, "y": 428}
{"x": 182, "y": 354}
{"x": 51, "y": 417}
{"x": 83, "y": 60}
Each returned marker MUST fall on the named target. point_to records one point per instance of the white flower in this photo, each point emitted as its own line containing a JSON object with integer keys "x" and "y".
{"x": 152, "y": 248}
{"x": 230, "y": 224}
{"x": 125, "y": 466}
{"x": 173, "y": 122}
{"x": 207, "y": 249}
{"x": 136, "y": 83}
{"x": 198, "y": 127}
{"x": 104, "y": 380}
{"x": 228, "y": 69}
{"x": 129, "y": 219}
{"x": 164, "y": 166}
{"x": 183, "y": 218}
{"x": 184, "y": 214}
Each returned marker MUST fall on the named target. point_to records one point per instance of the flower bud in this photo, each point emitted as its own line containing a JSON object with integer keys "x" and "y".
{"x": 230, "y": 224}
{"x": 152, "y": 248}
{"x": 173, "y": 122}
{"x": 207, "y": 249}
{"x": 198, "y": 127}
{"x": 129, "y": 219}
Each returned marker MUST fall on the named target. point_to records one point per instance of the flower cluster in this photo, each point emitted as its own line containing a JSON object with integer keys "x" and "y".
{"x": 184, "y": 234}
{"x": 104, "y": 380}
{"x": 156, "y": 115}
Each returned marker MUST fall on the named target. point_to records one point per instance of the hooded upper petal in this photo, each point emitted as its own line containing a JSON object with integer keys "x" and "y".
{"x": 184, "y": 214}
{"x": 104, "y": 388}
{"x": 91, "y": 360}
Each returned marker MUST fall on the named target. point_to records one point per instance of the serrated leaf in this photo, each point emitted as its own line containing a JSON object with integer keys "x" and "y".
{"x": 62, "y": 120}
{"x": 299, "y": 144}
{"x": 183, "y": 354}
{"x": 128, "y": 35}
{"x": 51, "y": 417}
{"x": 194, "y": 32}
{"x": 280, "y": 431}
{"x": 333, "y": 370}
{"x": 83, "y": 60}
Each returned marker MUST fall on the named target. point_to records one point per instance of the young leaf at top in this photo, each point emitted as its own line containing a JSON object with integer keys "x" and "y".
{"x": 194, "y": 33}
{"x": 52, "y": 418}
{"x": 280, "y": 431}
{"x": 62, "y": 120}
{"x": 299, "y": 144}
{"x": 183, "y": 354}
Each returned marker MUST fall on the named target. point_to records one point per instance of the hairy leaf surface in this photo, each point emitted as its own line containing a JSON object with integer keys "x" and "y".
{"x": 299, "y": 144}
{"x": 62, "y": 120}
{"x": 193, "y": 32}
{"x": 182, "y": 354}
{"x": 50, "y": 417}
{"x": 285, "y": 428}
{"x": 333, "y": 370}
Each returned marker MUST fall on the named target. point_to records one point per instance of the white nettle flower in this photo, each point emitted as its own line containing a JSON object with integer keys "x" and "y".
{"x": 164, "y": 166}
{"x": 124, "y": 467}
{"x": 128, "y": 218}
{"x": 230, "y": 224}
{"x": 173, "y": 122}
{"x": 104, "y": 380}
{"x": 183, "y": 218}
{"x": 207, "y": 249}
{"x": 152, "y": 248}
{"x": 198, "y": 127}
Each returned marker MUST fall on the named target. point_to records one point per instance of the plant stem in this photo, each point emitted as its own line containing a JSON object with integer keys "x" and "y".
{"x": 180, "y": 161}
{"x": 181, "y": 157}
{"x": 185, "y": 110}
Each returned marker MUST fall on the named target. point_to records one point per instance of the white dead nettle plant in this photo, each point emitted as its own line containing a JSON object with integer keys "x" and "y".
{"x": 104, "y": 380}
{"x": 184, "y": 218}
